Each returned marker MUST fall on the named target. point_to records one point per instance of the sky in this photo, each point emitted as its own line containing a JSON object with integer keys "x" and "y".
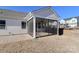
{"x": 62, "y": 11}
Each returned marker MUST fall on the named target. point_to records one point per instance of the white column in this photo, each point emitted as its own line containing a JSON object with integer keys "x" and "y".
{"x": 34, "y": 27}
{"x": 26, "y": 27}
{"x": 57, "y": 27}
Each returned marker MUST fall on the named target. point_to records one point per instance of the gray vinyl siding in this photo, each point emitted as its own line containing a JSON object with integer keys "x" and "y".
{"x": 13, "y": 27}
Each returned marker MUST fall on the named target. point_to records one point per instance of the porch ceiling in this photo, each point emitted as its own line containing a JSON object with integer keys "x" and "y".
{"x": 46, "y": 18}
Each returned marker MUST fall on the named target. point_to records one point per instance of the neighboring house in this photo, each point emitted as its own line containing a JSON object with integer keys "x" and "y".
{"x": 43, "y": 20}
{"x": 71, "y": 22}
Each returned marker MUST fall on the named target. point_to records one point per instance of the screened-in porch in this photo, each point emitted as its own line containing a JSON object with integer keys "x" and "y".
{"x": 45, "y": 27}
{"x": 42, "y": 22}
{"x": 39, "y": 27}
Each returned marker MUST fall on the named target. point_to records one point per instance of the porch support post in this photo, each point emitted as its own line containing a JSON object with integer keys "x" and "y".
{"x": 34, "y": 27}
{"x": 26, "y": 27}
{"x": 57, "y": 27}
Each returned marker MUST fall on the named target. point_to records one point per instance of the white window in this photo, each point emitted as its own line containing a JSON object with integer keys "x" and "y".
{"x": 2, "y": 24}
{"x": 23, "y": 25}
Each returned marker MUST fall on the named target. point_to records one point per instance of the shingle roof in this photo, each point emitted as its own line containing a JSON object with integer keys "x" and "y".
{"x": 10, "y": 14}
{"x": 45, "y": 12}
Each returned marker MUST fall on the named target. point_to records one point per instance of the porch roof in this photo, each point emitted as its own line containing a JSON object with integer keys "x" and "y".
{"x": 46, "y": 12}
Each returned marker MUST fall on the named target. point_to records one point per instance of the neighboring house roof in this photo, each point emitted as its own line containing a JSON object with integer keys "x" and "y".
{"x": 10, "y": 14}
{"x": 77, "y": 17}
{"x": 72, "y": 17}
{"x": 68, "y": 18}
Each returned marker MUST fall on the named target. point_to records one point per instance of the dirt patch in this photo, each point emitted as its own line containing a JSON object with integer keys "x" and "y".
{"x": 69, "y": 42}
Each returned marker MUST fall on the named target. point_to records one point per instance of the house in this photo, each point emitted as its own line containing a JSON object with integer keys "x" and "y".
{"x": 43, "y": 21}
{"x": 72, "y": 22}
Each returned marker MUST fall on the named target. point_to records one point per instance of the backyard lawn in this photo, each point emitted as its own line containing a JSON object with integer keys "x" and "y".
{"x": 69, "y": 42}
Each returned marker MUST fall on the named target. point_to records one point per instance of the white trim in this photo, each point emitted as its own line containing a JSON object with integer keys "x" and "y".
{"x": 34, "y": 27}
{"x": 29, "y": 18}
{"x": 26, "y": 27}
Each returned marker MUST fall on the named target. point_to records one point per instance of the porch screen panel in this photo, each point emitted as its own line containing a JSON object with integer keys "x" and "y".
{"x": 52, "y": 27}
{"x": 30, "y": 26}
{"x": 41, "y": 27}
{"x": 45, "y": 27}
